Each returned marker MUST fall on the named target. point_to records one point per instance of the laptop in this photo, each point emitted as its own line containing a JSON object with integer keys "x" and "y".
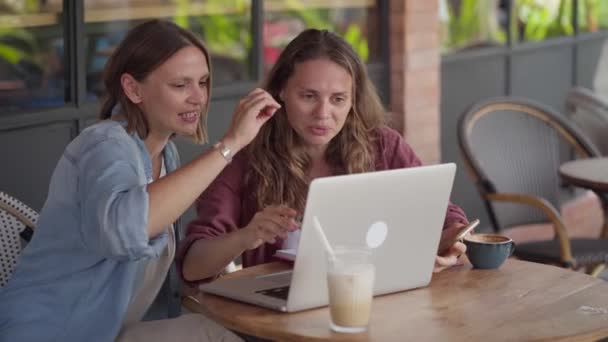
{"x": 398, "y": 213}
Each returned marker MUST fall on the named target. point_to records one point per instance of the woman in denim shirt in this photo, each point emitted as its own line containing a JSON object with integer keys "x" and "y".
{"x": 105, "y": 236}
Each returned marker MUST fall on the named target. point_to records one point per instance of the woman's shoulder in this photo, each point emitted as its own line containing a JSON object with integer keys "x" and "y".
{"x": 388, "y": 138}
{"x": 104, "y": 130}
{"x": 105, "y": 134}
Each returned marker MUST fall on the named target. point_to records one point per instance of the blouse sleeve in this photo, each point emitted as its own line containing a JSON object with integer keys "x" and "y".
{"x": 218, "y": 209}
{"x": 114, "y": 202}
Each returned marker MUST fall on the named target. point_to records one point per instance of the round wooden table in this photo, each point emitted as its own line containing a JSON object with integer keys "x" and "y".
{"x": 521, "y": 301}
{"x": 590, "y": 174}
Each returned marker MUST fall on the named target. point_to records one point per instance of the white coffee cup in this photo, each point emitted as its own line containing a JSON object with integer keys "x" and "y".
{"x": 350, "y": 281}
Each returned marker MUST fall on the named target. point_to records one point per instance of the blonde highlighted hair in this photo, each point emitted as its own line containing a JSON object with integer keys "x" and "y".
{"x": 279, "y": 163}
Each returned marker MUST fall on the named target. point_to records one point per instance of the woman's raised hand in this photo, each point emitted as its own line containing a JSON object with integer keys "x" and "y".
{"x": 269, "y": 224}
{"x": 250, "y": 114}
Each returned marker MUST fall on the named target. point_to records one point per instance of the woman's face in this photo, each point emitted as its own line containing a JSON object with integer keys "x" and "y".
{"x": 173, "y": 95}
{"x": 317, "y": 99}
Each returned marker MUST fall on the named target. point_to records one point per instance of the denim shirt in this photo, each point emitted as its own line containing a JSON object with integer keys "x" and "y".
{"x": 76, "y": 277}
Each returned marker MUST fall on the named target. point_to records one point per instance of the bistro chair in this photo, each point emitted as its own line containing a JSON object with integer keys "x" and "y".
{"x": 512, "y": 149}
{"x": 17, "y": 222}
{"x": 590, "y": 113}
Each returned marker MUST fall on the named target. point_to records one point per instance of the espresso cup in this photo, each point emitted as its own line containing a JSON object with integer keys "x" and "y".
{"x": 487, "y": 251}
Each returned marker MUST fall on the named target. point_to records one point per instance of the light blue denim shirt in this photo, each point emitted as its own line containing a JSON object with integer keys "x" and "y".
{"x": 75, "y": 279}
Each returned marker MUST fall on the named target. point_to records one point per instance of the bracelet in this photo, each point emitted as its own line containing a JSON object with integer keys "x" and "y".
{"x": 224, "y": 150}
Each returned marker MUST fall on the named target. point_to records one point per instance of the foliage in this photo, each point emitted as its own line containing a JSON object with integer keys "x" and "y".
{"x": 592, "y": 15}
{"x": 320, "y": 19}
{"x": 224, "y": 35}
{"x": 537, "y": 20}
{"x": 471, "y": 22}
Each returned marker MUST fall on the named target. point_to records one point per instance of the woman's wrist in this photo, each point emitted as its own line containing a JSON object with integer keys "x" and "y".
{"x": 232, "y": 144}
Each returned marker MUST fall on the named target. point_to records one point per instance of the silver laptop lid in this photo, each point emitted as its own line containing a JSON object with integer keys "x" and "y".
{"x": 399, "y": 212}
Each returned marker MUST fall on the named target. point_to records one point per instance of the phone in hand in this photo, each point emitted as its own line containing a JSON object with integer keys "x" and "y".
{"x": 447, "y": 242}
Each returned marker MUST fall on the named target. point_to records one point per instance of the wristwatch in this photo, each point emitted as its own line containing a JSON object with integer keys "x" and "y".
{"x": 224, "y": 150}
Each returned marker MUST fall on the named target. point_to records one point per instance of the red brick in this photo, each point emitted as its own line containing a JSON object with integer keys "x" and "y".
{"x": 582, "y": 216}
{"x": 395, "y": 120}
{"x": 421, "y": 41}
{"x": 397, "y": 25}
{"x": 421, "y": 22}
{"x": 414, "y": 68}
{"x": 421, "y": 59}
{"x": 427, "y": 115}
{"x": 422, "y": 78}
{"x": 397, "y": 6}
{"x": 421, "y": 5}
{"x": 420, "y": 97}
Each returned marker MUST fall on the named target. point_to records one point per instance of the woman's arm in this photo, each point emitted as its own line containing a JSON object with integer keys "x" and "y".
{"x": 215, "y": 238}
{"x": 398, "y": 154}
{"x": 171, "y": 195}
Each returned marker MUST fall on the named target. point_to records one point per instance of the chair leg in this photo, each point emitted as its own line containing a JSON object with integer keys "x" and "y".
{"x": 596, "y": 270}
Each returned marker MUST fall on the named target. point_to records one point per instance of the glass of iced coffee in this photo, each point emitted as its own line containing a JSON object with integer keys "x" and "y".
{"x": 350, "y": 281}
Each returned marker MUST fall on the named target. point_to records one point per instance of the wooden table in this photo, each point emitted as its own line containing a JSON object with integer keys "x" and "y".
{"x": 590, "y": 174}
{"x": 521, "y": 301}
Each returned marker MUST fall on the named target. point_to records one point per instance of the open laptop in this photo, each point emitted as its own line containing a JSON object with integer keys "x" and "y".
{"x": 399, "y": 213}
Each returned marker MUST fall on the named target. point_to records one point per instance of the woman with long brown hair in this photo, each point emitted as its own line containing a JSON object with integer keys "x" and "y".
{"x": 331, "y": 122}
{"x": 105, "y": 238}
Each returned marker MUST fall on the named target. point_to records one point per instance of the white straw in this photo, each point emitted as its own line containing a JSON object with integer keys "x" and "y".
{"x": 319, "y": 229}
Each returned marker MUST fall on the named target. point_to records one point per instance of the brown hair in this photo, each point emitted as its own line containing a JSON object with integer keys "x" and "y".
{"x": 279, "y": 162}
{"x": 145, "y": 48}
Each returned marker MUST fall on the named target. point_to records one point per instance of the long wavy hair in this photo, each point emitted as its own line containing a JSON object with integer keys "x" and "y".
{"x": 279, "y": 162}
{"x": 144, "y": 49}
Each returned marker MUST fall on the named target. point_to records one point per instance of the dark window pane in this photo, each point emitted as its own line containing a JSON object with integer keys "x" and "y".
{"x": 537, "y": 20}
{"x": 592, "y": 15}
{"x": 472, "y": 24}
{"x": 224, "y": 25}
{"x": 32, "y": 73}
{"x": 355, "y": 20}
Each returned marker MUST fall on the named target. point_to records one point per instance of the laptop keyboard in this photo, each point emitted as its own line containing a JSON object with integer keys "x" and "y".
{"x": 281, "y": 292}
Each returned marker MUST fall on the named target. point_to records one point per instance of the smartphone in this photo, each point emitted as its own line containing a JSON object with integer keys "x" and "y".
{"x": 447, "y": 242}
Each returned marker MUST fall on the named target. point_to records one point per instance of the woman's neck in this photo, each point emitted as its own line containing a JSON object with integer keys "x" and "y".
{"x": 155, "y": 145}
{"x": 319, "y": 168}
{"x": 318, "y": 164}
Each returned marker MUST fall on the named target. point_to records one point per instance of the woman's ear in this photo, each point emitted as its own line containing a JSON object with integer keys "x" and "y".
{"x": 131, "y": 88}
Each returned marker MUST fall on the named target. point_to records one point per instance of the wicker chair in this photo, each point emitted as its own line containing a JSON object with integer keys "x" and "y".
{"x": 590, "y": 113}
{"x": 17, "y": 222}
{"x": 512, "y": 149}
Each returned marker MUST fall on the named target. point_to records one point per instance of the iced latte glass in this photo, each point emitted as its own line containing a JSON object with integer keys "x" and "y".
{"x": 350, "y": 281}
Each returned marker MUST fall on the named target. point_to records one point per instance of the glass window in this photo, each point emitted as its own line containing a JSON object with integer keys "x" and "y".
{"x": 224, "y": 25}
{"x": 537, "y": 20}
{"x": 592, "y": 15}
{"x": 472, "y": 24}
{"x": 32, "y": 73}
{"x": 355, "y": 20}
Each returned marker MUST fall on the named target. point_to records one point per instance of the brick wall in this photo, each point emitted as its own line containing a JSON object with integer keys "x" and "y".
{"x": 414, "y": 69}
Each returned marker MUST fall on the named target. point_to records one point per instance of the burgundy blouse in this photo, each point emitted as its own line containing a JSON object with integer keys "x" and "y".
{"x": 229, "y": 204}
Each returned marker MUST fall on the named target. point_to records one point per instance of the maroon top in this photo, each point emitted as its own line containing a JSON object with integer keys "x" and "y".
{"x": 229, "y": 204}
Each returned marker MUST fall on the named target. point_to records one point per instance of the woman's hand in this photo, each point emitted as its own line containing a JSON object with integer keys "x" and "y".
{"x": 449, "y": 258}
{"x": 268, "y": 224}
{"x": 251, "y": 113}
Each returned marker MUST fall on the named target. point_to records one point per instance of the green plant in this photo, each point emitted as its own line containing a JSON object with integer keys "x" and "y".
{"x": 472, "y": 22}
{"x": 536, "y": 20}
{"x": 223, "y": 34}
{"x": 592, "y": 15}
{"x": 319, "y": 19}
